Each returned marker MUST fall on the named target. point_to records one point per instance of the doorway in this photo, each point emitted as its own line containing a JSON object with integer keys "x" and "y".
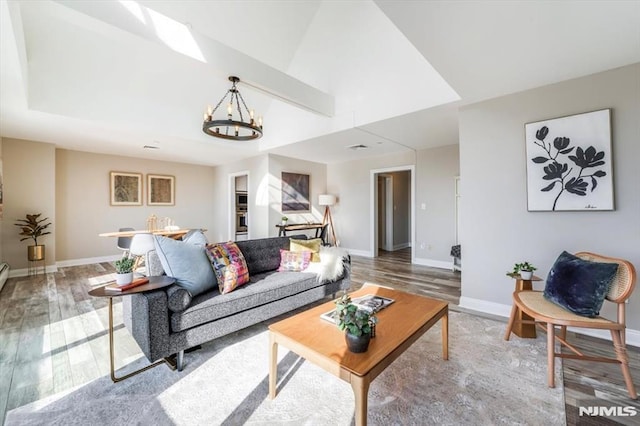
{"x": 239, "y": 228}
{"x": 392, "y": 209}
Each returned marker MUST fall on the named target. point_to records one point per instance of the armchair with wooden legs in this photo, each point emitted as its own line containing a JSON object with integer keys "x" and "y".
{"x": 545, "y": 312}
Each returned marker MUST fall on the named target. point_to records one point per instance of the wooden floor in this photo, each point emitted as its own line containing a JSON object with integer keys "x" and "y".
{"x": 53, "y": 335}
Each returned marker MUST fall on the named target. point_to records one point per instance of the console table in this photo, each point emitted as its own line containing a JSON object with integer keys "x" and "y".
{"x": 299, "y": 227}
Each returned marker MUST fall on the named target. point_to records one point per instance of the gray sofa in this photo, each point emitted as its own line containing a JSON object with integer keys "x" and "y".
{"x": 169, "y": 321}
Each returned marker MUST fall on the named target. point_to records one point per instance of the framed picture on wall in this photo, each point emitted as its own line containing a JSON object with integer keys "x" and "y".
{"x": 160, "y": 190}
{"x": 295, "y": 193}
{"x": 126, "y": 189}
{"x": 569, "y": 163}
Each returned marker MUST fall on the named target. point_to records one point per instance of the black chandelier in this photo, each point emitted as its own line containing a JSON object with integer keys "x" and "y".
{"x": 238, "y": 130}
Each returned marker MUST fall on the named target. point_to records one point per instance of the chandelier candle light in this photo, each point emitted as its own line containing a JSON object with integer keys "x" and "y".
{"x": 237, "y": 129}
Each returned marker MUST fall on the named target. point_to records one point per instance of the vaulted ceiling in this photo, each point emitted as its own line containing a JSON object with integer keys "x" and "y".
{"x": 113, "y": 77}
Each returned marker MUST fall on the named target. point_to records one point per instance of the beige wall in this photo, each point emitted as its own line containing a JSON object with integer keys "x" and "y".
{"x": 29, "y": 187}
{"x": 83, "y": 207}
{"x": 497, "y": 230}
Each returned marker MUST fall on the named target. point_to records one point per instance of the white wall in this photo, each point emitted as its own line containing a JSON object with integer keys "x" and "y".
{"x": 435, "y": 170}
{"x": 435, "y": 188}
{"x": 351, "y": 181}
{"x": 497, "y": 230}
{"x": 317, "y": 182}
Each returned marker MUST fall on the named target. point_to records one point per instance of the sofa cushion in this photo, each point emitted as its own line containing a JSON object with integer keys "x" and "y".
{"x": 195, "y": 237}
{"x": 263, "y": 254}
{"x": 262, "y": 289}
{"x": 312, "y": 246}
{"x": 579, "y": 285}
{"x": 229, "y": 265}
{"x": 187, "y": 263}
{"x": 291, "y": 261}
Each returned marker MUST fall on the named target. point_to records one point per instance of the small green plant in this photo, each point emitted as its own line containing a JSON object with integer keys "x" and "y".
{"x": 355, "y": 321}
{"x": 284, "y": 218}
{"x": 524, "y": 267}
{"x": 124, "y": 266}
{"x": 32, "y": 227}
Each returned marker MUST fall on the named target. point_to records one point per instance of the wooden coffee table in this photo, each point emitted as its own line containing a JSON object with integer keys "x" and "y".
{"x": 323, "y": 344}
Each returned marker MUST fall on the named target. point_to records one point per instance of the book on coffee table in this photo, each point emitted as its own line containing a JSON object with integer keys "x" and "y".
{"x": 369, "y": 302}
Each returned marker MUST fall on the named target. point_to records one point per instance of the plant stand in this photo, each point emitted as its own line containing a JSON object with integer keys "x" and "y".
{"x": 521, "y": 329}
{"x": 32, "y": 269}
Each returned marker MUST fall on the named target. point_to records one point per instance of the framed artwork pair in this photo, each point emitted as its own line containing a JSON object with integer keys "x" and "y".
{"x": 126, "y": 189}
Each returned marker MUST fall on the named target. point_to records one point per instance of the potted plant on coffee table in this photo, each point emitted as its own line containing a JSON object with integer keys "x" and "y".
{"x": 524, "y": 269}
{"x": 33, "y": 227}
{"x": 124, "y": 271}
{"x": 358, "y": 324}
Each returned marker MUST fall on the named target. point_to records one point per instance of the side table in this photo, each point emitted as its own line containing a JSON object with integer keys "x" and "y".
{"x": 154, "y": 283}
{"x": 520, "y": 329}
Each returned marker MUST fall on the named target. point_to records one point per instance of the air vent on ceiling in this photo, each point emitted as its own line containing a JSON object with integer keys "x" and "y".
{"x": 151, "y": 147}
{"x": 358, "y": 147}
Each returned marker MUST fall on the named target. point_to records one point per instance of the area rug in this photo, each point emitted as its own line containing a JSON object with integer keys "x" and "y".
{"x": 485, "y": 381}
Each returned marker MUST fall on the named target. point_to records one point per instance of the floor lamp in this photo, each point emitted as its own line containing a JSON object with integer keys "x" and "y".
{"x": 328, "y": 200}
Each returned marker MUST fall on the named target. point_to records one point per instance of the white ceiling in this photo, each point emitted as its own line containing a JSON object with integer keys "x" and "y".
{"x": 111, "y": 77}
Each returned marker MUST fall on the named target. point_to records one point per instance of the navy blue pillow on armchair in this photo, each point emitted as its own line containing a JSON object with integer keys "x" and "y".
{"x": 579, "y": 285}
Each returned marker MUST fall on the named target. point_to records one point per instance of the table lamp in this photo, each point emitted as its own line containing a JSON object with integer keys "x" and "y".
{"x": 328, "y": 200}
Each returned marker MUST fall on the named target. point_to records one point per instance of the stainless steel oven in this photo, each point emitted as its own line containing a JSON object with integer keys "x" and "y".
{"x": 242, "y": 200}
{"x": 242, "y": 222}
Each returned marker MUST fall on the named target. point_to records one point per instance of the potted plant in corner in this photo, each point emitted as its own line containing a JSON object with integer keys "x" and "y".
{"x": 33, "y": 227}
{"x": 124, "y": 271}
{"x": 358, "y": 324}
{"x": 284, "y": 220}
{"x": 524, "y": 269}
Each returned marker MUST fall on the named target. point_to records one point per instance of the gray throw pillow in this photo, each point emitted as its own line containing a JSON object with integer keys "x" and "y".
{"x": 187, "y": 263}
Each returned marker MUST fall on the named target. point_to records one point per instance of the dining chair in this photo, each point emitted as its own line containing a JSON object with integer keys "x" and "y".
{"x": 141, "y": 245}
{"x": 124, "y": 243}
{"x": 543, "y": 311}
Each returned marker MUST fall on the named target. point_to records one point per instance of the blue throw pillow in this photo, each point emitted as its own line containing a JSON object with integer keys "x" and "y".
{"x": 187, "y": 263}
{"x": 579, "y": 285}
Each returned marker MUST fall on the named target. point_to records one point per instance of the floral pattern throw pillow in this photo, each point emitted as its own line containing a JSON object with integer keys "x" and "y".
{"x": 291, "y": 261}
{"x": 229, "y": 266}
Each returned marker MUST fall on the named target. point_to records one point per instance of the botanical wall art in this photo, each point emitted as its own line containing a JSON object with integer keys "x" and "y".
{"x": 295, "y": 193}
{"x": 569, "y": 163}
{"x": 126, "y": 189}
{"x": 161, "y": 190}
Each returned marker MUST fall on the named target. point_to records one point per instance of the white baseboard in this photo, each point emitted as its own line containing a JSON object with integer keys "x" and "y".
{"x": 433, "y": 263}
{"x": 87, "y": 260}
{"x": 25, "y": 271}
{"x": 363, "y": 253}
{"x": 633, "y": 336}
{"x": 65, "y": 263}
